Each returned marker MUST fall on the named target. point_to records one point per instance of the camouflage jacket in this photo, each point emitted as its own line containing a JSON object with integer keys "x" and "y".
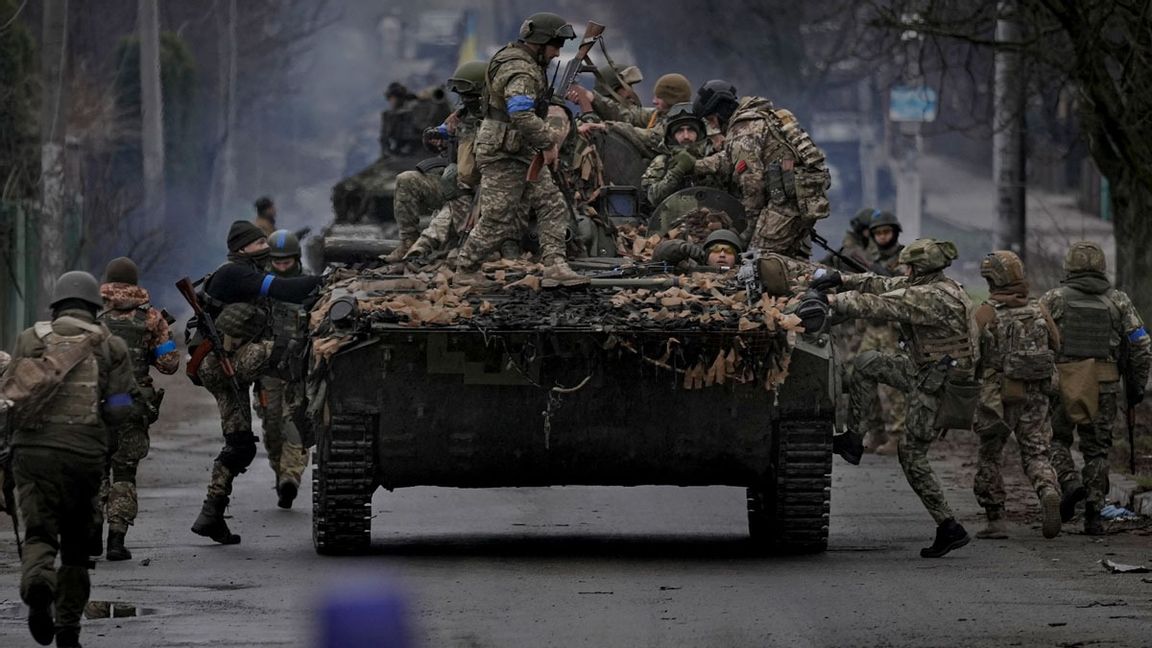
{"x": 511, "y": 129}
{"x": 932, "y": 311}
{"x": 659, "y": 182}
{"x": 648, "y": 138}
{"x": 121, "y": 301}
{"x": 1126, "y": 324}
{"x": 609, "y": 108}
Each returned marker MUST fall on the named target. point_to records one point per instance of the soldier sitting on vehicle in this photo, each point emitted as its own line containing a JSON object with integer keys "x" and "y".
{"x": 672, "y": 170}
{"x": 721, "y": 250}
{"x": 670, "y": 89}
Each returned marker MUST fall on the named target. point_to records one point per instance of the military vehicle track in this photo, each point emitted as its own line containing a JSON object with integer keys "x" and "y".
{"x": 343, "y": 480}
{"x": 788, "y": 512}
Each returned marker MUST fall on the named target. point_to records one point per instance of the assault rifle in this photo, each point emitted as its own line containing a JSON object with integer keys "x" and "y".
{"x": 848, "y": 261}
{"x": 206, "y": 327}
{"x": 591, "y": 35}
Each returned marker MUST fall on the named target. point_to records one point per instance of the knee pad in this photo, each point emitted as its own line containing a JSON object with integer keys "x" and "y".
{"x": 238, "y": 452}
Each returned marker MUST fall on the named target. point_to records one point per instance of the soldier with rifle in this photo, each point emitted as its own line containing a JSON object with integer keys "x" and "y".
{"x": 235, "y": 345}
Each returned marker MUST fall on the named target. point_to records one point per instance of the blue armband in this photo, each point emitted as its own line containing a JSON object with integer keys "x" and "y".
{"x": 118, "y": 400}
{"x": 521, "y": 103}
{"x": 443, "y": 130}
{"x": 167, "y": 347}
{"x": 1137, "y": 335}
{"x": 267, "y": 285}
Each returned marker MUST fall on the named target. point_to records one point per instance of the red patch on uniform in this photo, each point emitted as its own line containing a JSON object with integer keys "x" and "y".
{"x": 741, "y": 166}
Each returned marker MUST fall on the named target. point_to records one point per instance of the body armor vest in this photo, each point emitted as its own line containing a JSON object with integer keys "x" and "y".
{"x": 1022, "y": 351}
{"x": 134, "y": 331}
{"x": 77, "y": 399}
{"x": 932, "y": 345}
{"x": 1088, "y": 326}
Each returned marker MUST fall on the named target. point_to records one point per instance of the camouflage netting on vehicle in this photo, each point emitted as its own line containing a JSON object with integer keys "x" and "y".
{"x": 744, "y": 342}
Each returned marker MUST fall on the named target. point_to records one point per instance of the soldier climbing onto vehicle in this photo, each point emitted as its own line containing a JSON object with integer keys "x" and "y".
{"x": 1018, "y": 342}
{"x": 937, "y": 373}
{"x": 511, "y": 134}
{"x": 1100, "y": 332}
{"x": 781, "y": 173}
{"x": 672, "y": 170}
{"x": 129, "y": 314}
{"x": 238, "y": 296}
{"x": 59, "y": 454}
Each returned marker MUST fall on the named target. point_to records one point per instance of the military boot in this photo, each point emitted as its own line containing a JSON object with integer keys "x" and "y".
{"x": 210, "y": 523}
{"x": 95, "y": 540}
{"x": 559, "y": 272}
{"x": 950, "y": 535}
{"x": 1050, "y": 508}
{"x": 1093, "y": 525}
{"x": 1073, "y": 495}
{"x": 996, "y": 528}
{"x": 116, "y": 549}
{"x": 849, "y": 445}
{"x": 397, "y": 255}
{"x": 40, "y": 622}
{"x": 889, "y": 448}
{"x": 286, "y": 491}
{"x": 68, "y": 638}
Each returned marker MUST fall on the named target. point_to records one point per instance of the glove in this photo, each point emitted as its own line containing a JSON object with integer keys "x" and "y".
{"x": 673, "y": 251}
{"x": 683, "y": 163}
{"x": 824, "y": 280}
{"x": 813, "y": 311}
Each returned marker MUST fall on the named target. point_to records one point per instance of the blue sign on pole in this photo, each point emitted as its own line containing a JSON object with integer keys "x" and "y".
{"x": 912, "y": 104}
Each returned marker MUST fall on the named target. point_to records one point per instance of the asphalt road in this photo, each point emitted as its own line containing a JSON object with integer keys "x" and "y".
{"x": 599, "y": 566}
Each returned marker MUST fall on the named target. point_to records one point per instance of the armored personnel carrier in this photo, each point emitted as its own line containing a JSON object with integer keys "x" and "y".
{"x": 639, "y": 376}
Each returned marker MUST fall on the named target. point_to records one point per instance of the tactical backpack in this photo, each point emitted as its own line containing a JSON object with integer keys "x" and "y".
{"x": 808, "y": 181}
{"x": 1022, "y": 335}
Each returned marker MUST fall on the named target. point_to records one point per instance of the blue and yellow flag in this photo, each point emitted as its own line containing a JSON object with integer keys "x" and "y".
{"x": 468, "y": 46}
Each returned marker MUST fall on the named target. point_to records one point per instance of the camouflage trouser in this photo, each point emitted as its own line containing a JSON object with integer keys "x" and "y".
{"x": 995, "y": 422}
{"x": 780, "y": 229}
{"x": 887, "y": 420}
{"x": 117, "y": 499}
{"x": 445, "y": 225}
{"x": 417, "y": 194}
{"x": 1095, "y": 444}
{"x": 235, "y": 406}
{"x": 898, "y": 371}
{"x": 504, "y": 194}
{"x": 286, "y": 453}
{"x": 56, "y": 490}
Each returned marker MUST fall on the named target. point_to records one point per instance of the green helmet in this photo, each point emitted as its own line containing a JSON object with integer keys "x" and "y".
{"x": 928, "y": 255}
{"x": 619, "y": 76}
{"x": 1085, "y": 256}
{"x": 77, "y": 285}
{"x": 1002, "y": 268}
{"x": 863, "y": 219}
{"x": 679, "y": 115}
{"x": 283, "y": 244}
{"x": 884, "y": 219}
{"x": 726, "y": 236}
{"x": 469, "y": 78}
{"x": 542, "y": 28}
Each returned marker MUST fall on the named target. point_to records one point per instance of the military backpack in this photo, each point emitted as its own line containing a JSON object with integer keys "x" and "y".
{"x": 1022, "y": 341}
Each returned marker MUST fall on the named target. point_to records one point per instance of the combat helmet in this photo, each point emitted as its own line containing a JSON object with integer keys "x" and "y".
{"x": 77, "y": 285}
{"x": 283, "y": 244}
{"x": 469, "y": 78}
{"x": 724, "y": 237}
{"x": 1085, "y": 256}
{"x": 543, "y": 28}
{"x": 1002, "y": 268}
{"x": 928, "y": 255}
{"x": 884, "y": 219}
{"x": 862, "y": 221}
{"x": 716, "y": 97}
{"x": 617, "y": 77}
{"x": 679, "y": 115}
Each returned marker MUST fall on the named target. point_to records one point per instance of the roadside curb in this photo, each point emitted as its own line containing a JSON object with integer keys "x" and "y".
{"x": 1122, "y": 489}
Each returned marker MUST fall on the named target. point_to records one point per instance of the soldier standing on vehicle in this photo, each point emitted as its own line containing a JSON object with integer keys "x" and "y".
{"x": 130, "y": 315}
{"x": 781, "y": 173}
{"x": 1100, "y": 331}
{"x": 1018, "y": 341}
{"x": 936, "y": 374}
{"x": 684, "y": 143}
{"x": 266, "y": 214}
{"x": 510, "y": 135}
{"x": 283, "y": 400}
{"x": 59, "y": 459}
{"x": 238, "y": 295}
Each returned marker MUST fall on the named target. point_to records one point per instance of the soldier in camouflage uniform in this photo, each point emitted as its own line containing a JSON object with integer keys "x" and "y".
{"x": 932, "y": 311}
{"x": 1100, "y": 330}
{"x": 781, "y": 173}
{"x": 418, "y": 193}
{"x": 265, "y": 214}
{"x": 884, "y": 424}
{"x": 1017, "y": 341}
{"x": 614, "y": 98}
{"x": 58, "y": 459}
{"x": 283, "y": 400}
{"x": 672, "y": 170}
{"x": 647, "y": 137}
{"x": 130, "y": 315}
{"x": 510, "y": 136}
{"x": 238, "y": 296}
{"x": 856, "y": 241}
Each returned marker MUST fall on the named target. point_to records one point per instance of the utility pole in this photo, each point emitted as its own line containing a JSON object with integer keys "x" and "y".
{"x": 152, "y": 113}
{"x": 53, "y": 126}
{"x": 1008, "y": 141}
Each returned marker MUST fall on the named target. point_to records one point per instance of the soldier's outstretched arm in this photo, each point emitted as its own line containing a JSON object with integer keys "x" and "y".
{"x": 872, "y": 284}
{"x": 895, "y": 306}
{"x": 520, "y": 97}
{"x": 240, "y": 283}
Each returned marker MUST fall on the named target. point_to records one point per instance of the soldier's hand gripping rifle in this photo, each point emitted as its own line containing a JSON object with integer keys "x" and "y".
{"x": 206, "y": 327}
{"x": 591, "y": 34}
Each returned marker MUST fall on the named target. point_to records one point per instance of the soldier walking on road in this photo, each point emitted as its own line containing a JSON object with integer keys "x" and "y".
{"x": 283, "y": 400}
{"x": 1018, "y": 341}
{"x": 129, "y": 314}
{"x": 933, "y": 313}
{"x": 1100, "y": 331}
{"x": 238, "y": 295}
{"x": 510, "y": 135}
{"x": 59, "y": 459}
